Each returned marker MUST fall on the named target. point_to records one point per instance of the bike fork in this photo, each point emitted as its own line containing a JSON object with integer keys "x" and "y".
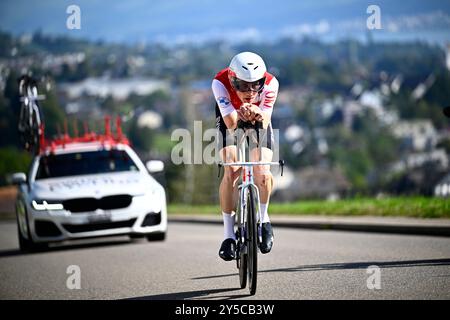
{"x": 242, "y": 230}
{"x": 259, "y": 218}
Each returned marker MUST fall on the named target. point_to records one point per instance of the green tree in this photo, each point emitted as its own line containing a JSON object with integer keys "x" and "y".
{"x": 141, "y": 137}
{"x": 12, "y": 160}
{"x": 53, "y": 113}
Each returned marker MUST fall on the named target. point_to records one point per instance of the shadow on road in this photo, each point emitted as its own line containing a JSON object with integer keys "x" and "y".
{"x": 62, "y": 247}
{"x": 364, "y": 265}
{"x": 217, "y": 276}
{"x": 347, "y": 266}
{"x": 196, "y": 295}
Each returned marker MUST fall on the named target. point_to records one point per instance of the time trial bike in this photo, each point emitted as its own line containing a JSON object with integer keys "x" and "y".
{"x": 248, "y": 212}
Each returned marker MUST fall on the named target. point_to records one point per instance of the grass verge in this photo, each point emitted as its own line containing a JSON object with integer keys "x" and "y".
{"x": 417, "y": 207}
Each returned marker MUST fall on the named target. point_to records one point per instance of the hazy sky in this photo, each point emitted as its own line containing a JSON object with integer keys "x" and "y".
{"x": 168, "y": 20}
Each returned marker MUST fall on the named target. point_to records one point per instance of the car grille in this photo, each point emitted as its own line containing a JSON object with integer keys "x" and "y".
{"x": 92, "y": 204}
{"x": 77, "y": 228}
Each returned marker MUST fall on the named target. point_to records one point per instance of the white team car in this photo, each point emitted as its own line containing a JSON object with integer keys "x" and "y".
{"x": 83, "y": 190}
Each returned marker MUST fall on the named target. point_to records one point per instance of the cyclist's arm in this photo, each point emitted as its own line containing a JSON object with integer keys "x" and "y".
{"x": 231, "y": 120}
{"x": 229, "y": 114}
{"x": 268, "y": 100}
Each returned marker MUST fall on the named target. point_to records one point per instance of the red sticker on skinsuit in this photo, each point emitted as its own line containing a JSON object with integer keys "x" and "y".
{"x": 270, "y": 94}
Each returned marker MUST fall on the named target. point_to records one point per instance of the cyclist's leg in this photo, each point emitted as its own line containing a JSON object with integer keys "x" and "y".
{"x": 228, "y": 184}
{"x": 227, "y": 189}
{"x": 264, "y": 181}
{"x": 263, "y": 178}
{"x": 262, "y": 175}
{"x": 228, "y": 153}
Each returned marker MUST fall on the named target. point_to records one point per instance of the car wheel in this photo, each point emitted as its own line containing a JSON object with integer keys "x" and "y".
{"x": 24, "y": 244}
{"x": 27, "y": 245}
{"x": 159, "y": 236}
{"x": 137, "y": 238}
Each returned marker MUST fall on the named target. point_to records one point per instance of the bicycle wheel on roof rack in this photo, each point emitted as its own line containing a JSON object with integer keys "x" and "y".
{"x": 35, "y": 134}
{"x": 23, "y": 83}
{"x": 29, "y": 126}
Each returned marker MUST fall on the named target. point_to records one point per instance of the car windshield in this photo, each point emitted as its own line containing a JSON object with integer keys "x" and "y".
{"x": 80, "y": 163}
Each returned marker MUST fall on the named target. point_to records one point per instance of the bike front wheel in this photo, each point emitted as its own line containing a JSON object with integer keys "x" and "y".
{"x": 252, "y": 256}
{"x": 242, "y": 265}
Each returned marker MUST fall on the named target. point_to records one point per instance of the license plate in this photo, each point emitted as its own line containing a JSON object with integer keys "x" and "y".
{"x": 100, "y": 217}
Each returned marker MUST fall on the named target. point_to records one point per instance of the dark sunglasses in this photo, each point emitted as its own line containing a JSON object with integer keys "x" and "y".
{"x": 244, "y": 86}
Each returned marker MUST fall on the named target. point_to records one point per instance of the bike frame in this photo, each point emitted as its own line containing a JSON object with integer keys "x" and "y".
{"x": 247, "y": 183}
{"x": 248, "y": 238}
{"x": 29, "y": 102}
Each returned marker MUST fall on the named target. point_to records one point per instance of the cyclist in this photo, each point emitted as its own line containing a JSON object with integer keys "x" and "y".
{"x": 244, "y": 91}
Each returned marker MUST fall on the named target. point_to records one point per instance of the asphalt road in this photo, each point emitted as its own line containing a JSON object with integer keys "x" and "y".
{"x": 304, "y": 264}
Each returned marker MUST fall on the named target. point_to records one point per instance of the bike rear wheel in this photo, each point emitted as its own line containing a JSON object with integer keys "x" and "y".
{"x": 252, "y": 242}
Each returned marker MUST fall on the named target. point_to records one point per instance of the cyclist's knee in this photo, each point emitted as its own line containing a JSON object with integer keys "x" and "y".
{"x": 228, "y": 154}
{"x": 231, "y": 174}
{"x": 264, "y": 179}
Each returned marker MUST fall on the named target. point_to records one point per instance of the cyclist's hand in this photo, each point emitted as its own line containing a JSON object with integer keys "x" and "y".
{"x": 256, "y": 114}
{"x": 245, "y": 113}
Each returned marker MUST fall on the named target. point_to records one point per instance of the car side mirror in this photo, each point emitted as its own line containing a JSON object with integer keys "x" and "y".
{"x": 154, "y": 166}
{"x": 18, "y": 178}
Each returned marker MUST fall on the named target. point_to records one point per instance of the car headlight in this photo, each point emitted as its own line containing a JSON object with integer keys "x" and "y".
{"x": 154, "y": 192}
{"x": 42, "y": 205}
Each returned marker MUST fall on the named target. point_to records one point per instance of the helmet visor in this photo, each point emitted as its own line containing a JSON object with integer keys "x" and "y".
{"x": 244, "y": 86}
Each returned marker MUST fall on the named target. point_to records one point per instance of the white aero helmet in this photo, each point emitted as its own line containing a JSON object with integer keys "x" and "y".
{"x": 247, "y": 72}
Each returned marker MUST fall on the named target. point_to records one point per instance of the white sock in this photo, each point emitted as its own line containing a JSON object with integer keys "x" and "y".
{"x": 228, "y": 225}
{"x": 264, "y": 214}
